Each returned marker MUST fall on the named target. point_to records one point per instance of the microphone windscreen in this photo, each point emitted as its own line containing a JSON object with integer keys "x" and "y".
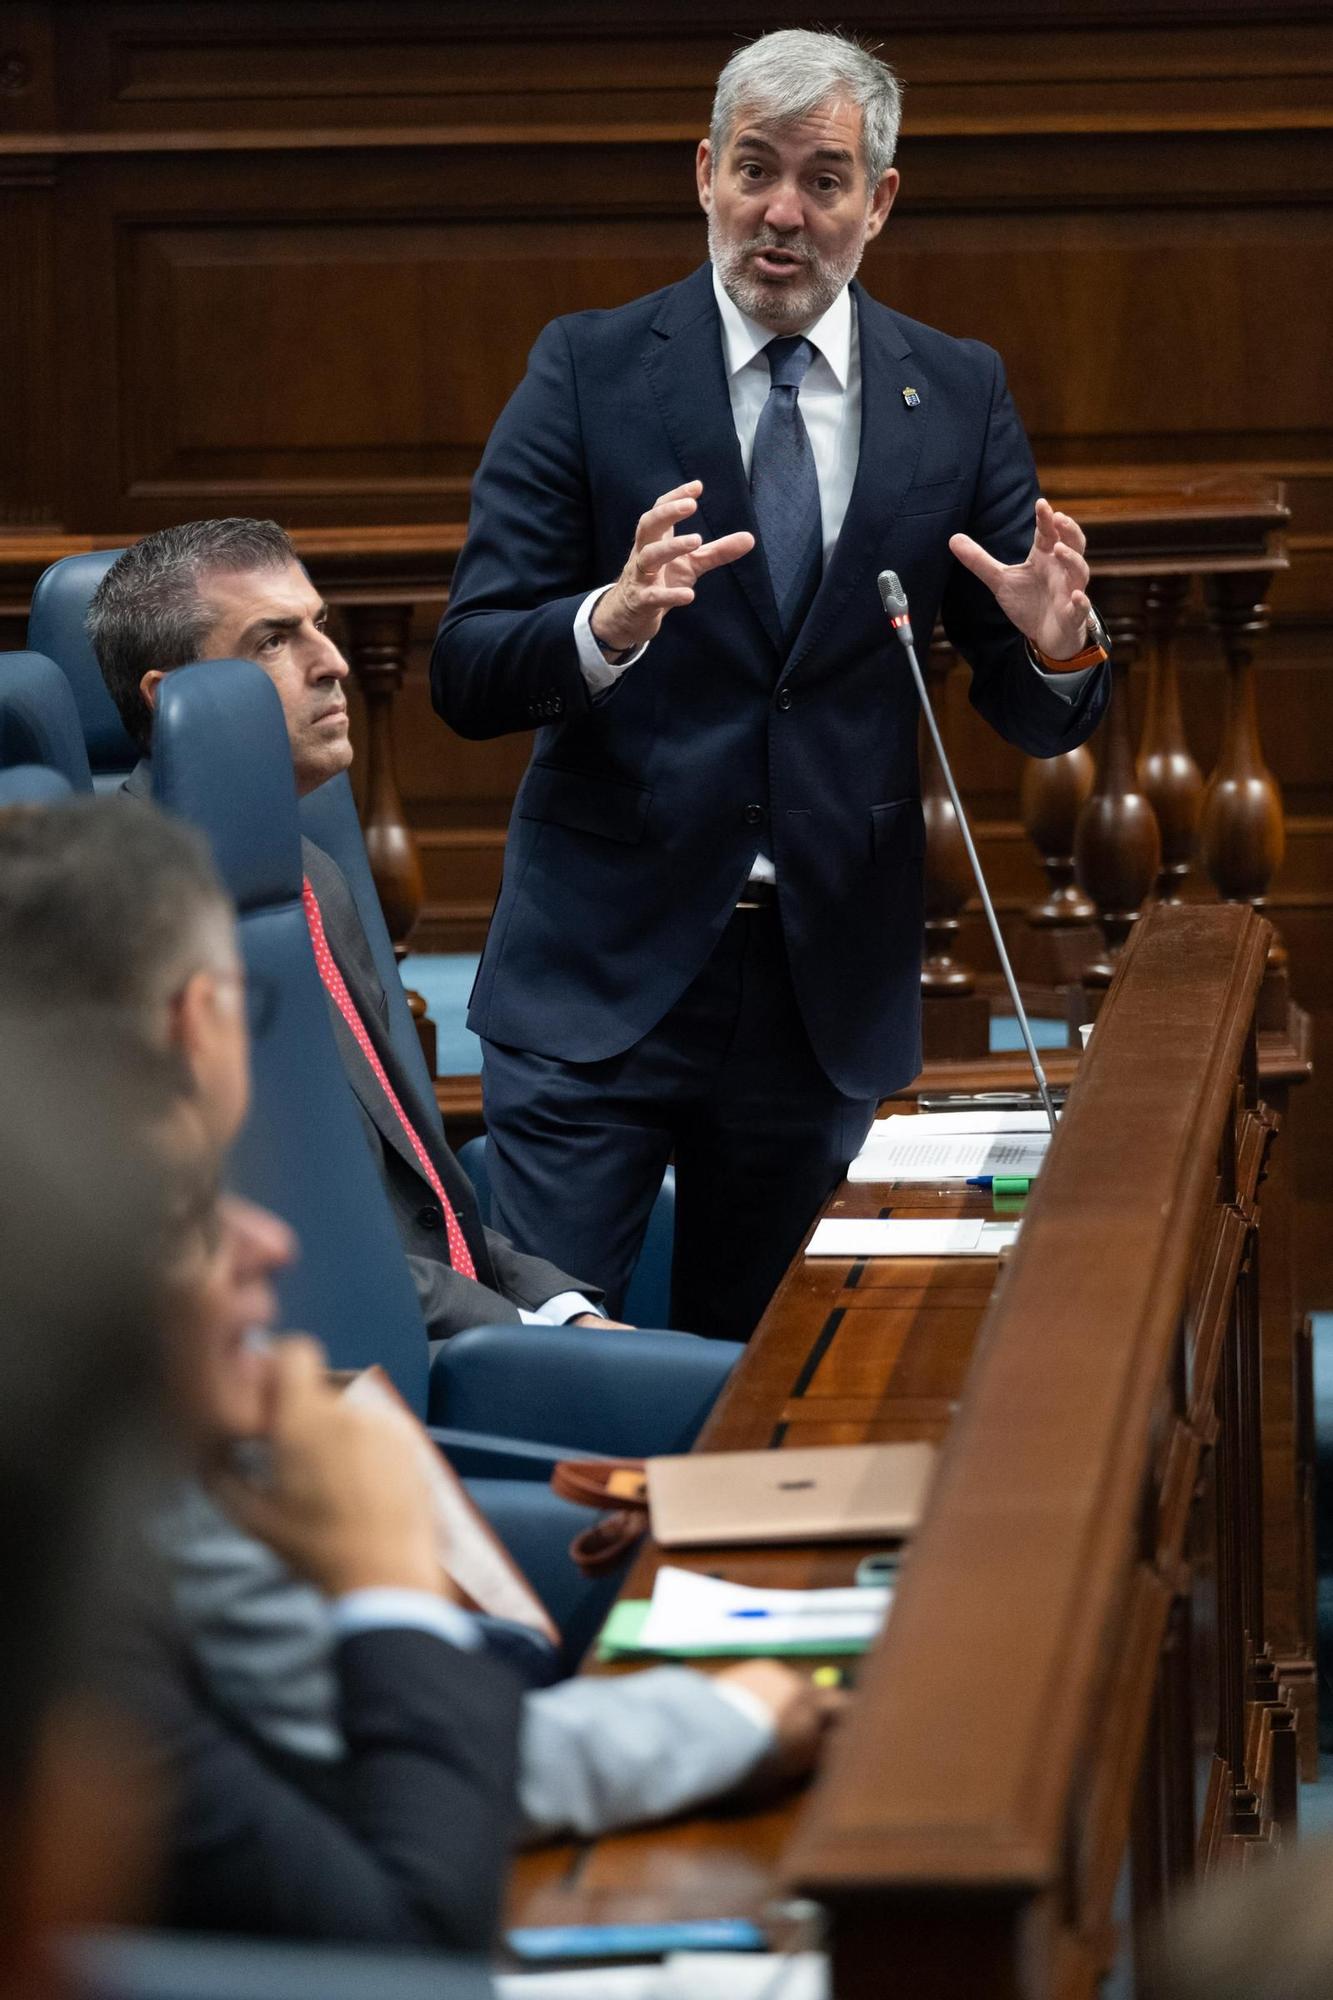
{"x": 891, "y": 593}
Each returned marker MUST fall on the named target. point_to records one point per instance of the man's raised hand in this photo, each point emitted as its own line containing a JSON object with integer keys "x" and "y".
{"x": 661, "y": 572}
{"x": 1045, "y": 596}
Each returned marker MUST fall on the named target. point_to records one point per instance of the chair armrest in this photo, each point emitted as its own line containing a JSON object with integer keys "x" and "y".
{"x": 483, "y": 1455}
{"x": 625, "y": 1394}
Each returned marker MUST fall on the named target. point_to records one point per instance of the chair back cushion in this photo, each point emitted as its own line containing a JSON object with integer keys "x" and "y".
{"x": 39, "y": 720}
{"x": 220, "y": 759}
{"x": 55, "y": 627}
{"x": 32, "y": 785}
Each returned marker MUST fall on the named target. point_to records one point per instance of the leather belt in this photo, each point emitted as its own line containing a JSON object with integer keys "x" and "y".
{"x": 759, "y": 896}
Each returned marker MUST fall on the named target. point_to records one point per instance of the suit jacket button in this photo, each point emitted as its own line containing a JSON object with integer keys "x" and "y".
{"x": 429, "y": 1218}
{"x": 557, "y": 704}
{"x": 754, "y": 815}
{"x": 784, "y": 699}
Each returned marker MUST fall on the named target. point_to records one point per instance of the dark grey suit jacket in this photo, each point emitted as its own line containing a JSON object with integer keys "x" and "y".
{"x": 404, "y": 1840}
{"x": 506, "y": 1279}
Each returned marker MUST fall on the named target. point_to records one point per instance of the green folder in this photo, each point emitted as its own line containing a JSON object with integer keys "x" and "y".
{"x": 620, "y": 1640}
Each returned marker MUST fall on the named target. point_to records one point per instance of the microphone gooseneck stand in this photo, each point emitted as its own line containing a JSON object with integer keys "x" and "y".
{"x": 894, "y": 599}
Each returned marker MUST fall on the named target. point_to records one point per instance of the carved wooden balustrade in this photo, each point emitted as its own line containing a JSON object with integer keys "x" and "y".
{"x": 1113, "y": 827}
{"x": 1115, "y": 831}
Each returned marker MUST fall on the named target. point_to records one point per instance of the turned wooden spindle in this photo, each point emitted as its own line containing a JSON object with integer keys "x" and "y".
{"x": 1053, "y": 791}
{"x": 1168, "y": 774}
{"x": 377, "y": 645}
{"x": 1116, "y": 844}
{"x": 1241, "y": 832}
{"x": 948, "y": 877}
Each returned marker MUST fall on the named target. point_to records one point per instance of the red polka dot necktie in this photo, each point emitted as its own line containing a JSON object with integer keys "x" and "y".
{"x": 336, "y": 986}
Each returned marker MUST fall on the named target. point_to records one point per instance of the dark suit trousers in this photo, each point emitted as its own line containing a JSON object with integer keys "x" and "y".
{"x": 728, "y": 1084}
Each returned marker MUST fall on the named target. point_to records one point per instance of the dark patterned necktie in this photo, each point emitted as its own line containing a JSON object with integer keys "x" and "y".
{"x": 784, "y": 486}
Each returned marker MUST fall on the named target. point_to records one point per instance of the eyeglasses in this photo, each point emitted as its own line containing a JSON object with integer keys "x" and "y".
{"x": 259, "y": 994}
{"x": 261, "y": 1002}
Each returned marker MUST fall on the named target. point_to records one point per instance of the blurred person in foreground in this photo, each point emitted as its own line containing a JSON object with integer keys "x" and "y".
{"x": 87, "y": 1213}
{"x": 1266, "y": 1934}
{"x": 342, "y": 1754}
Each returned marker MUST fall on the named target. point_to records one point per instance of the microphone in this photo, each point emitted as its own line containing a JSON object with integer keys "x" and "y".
{"x": 894, "y": 599}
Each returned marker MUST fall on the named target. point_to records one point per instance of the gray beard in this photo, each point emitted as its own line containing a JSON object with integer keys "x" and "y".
{"x": 793, "y": 306}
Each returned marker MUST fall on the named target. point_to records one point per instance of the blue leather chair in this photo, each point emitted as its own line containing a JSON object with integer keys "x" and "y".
{"x": 39, "y": 719}
{"x": 32, "y": 785}
{"x": 648, "y": 1295}
{"x": 56, "y": 628}
{"x": 221, "y": 760}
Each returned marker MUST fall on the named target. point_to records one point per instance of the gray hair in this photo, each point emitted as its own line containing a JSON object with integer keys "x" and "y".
{"x": 789, "y": 74}
{"x": 106, "y": 905}
{"x": 149, "y": 611}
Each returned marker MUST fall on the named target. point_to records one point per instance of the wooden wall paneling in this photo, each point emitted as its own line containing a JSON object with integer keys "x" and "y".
{"x": 271, "y": 357}
{"x": 29, "y": 393}
{"x": 29, "y": 382}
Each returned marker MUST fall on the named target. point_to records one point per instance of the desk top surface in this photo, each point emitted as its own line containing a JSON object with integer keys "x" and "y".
{"x": 870, "y": 1351}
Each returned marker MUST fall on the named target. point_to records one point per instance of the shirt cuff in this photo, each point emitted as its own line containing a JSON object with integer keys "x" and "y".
{"x": 404, "y": 1610}
{"x": 1070, "y": 686}
{"x": 748, "y": 1704}
{"x": 558, "y": 1311}
{"x": 598, "y": 673}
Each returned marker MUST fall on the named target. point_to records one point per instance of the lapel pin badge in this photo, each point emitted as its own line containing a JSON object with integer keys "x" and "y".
{"x": 911, "y": 398}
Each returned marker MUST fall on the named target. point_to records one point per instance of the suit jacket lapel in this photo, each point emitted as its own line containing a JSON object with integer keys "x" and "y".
{"x": 892, "y": 435}
{"x": 685, "y": 366}
{"x": 367, "y": 1085}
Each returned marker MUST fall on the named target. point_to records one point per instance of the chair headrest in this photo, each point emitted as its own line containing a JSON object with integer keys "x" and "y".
{"x": 32, "y": 785}
{"x": 55, "y": 627}
{"x": 39, "y": 721}
{"x": 221, "y": 760}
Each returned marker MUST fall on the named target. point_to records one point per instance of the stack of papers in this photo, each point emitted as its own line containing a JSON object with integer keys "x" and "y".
{"x": 876, "y": 1236}
{"x": 690, "y": 1616}
{"x": 952, "y": 1145}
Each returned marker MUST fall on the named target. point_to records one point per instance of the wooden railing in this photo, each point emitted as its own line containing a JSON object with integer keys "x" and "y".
{"x": 1076, "y": 1668}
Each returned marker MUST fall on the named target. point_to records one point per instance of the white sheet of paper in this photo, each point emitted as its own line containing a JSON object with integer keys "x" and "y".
{"x": 691, "y": 1610}
{"x": 958, "y": 1122}
{"x": 946, "y": 1158}
{"x": 682, "y": 1975}
{"x": 890, "y": 1236}
{"x": 467, "y": 1546}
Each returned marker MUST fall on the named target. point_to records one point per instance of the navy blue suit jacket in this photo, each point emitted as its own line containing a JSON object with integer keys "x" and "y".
{"x": 640, "y": 813}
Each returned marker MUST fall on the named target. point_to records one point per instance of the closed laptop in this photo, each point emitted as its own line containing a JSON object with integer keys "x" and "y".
{"x": 823, "y": 1494}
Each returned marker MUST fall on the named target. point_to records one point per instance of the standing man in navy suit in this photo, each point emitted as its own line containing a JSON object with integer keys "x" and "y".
{"x": 708, "y": 937}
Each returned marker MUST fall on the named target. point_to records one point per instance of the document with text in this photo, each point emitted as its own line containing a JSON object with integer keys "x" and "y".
{"x": 946, "y": 1146}
{"x": 880, "y": 1236}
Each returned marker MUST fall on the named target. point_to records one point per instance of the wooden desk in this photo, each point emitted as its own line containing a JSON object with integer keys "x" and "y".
{"x": 1075, "y": 1668}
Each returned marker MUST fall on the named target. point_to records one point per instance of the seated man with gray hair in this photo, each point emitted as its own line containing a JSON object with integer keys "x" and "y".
{"x": 236, "y": 589}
